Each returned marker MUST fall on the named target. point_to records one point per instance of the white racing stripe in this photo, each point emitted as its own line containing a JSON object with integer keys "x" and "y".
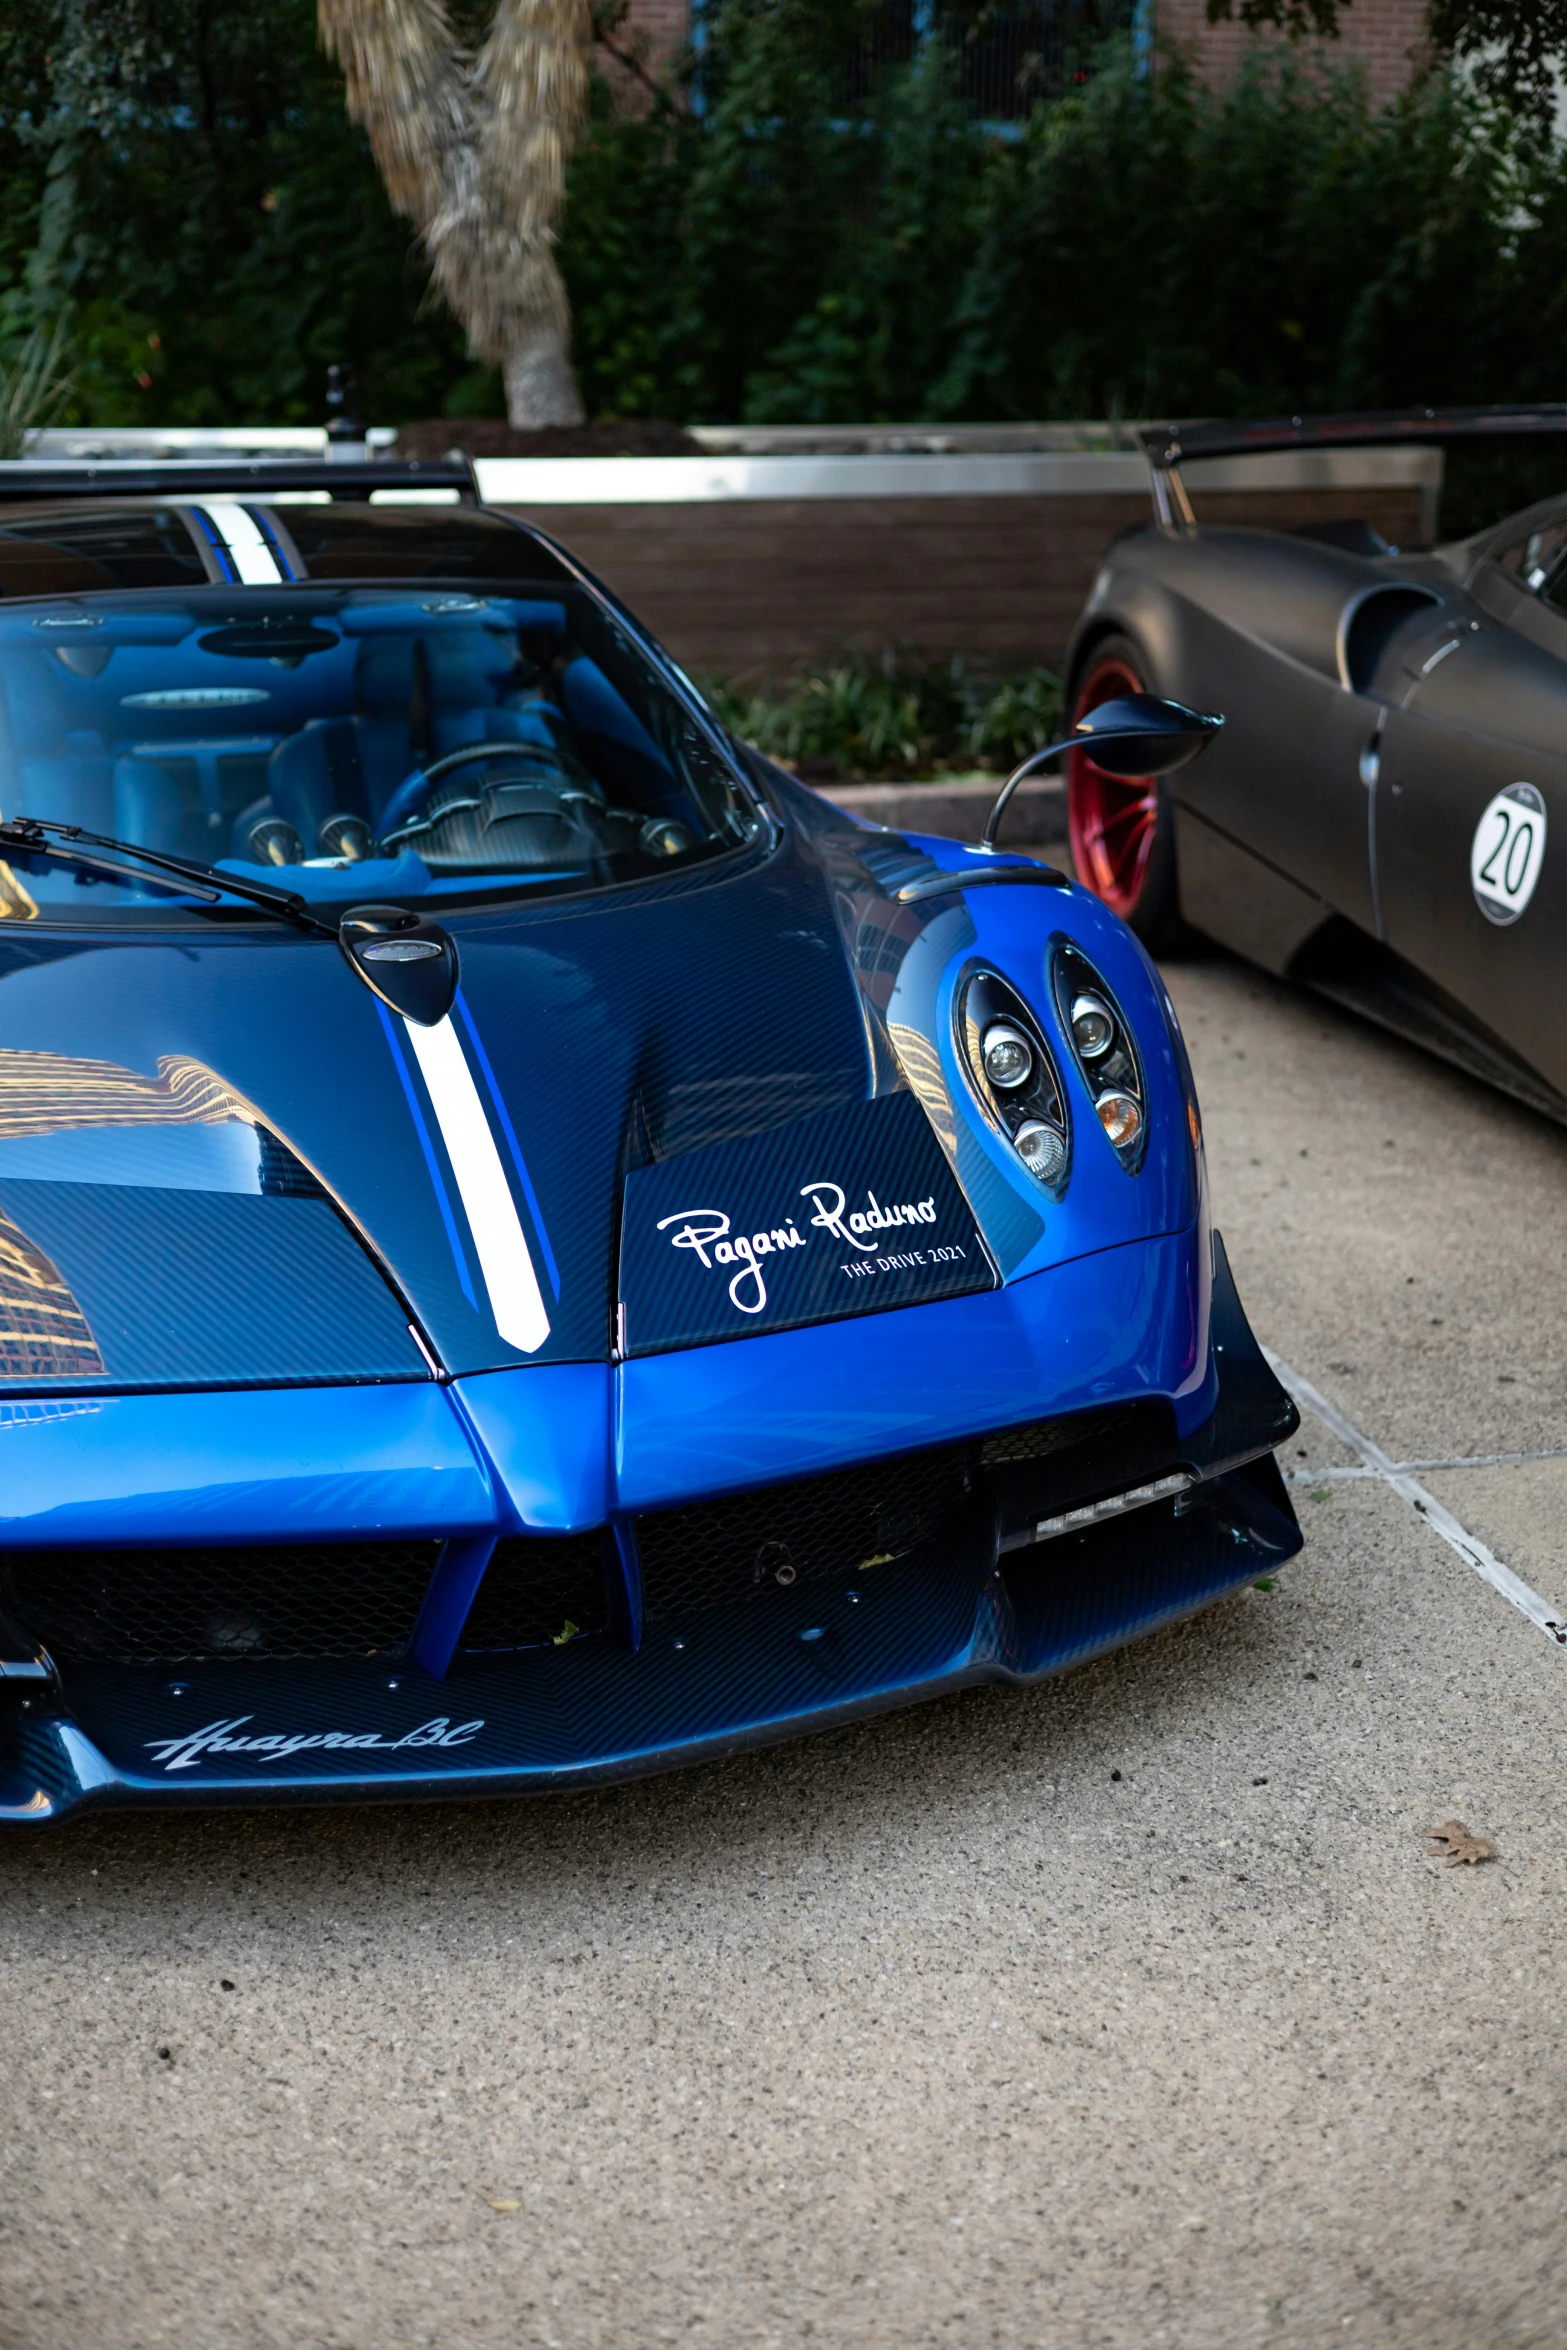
{"x": 1470, "y": 1549}
{"x": 249, "y": 553}
{"x": 515, "y": 1297}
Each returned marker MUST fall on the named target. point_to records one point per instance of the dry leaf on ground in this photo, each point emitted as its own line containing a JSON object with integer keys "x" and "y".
{"x": 1453, "y": 1845}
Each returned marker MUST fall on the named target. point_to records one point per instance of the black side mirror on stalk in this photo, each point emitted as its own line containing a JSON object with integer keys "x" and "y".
{"x": 1138, "y": 735}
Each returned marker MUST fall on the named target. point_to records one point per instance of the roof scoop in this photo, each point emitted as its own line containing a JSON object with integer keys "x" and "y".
{"x": 411, "y": 965}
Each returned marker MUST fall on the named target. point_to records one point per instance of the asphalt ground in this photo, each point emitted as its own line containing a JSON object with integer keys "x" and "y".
{"x": 1132, "y": 2010}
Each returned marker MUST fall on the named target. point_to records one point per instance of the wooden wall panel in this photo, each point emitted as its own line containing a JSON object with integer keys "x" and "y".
{"x": 753, "y": 588}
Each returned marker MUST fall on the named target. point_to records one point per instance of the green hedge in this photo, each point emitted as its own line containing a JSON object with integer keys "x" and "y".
{"x": 897, "y": 716}
{"x": 1145, "y": 246}
{"x": 181, "y": 175}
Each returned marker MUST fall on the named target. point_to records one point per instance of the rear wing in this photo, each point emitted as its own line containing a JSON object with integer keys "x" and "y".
{"x": 1168, "y": 446}
{"x": 350, "y": 481}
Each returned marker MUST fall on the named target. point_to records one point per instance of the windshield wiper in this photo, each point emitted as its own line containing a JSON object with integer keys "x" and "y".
{"x": 37, "y": 836}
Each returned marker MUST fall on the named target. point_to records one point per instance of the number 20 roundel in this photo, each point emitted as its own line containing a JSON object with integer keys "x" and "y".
{"x": 1507, "y": 852}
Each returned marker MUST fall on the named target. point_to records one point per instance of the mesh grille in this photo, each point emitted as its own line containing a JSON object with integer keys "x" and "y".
{"x": 534, "y": 1588}
{"x": 1050, "y": 1465}
{"x": 363, "y": 1599}
{"x": 178, "y": 1606}
{"x": 725, "y": 1551}
{"x": 1039, "y": 1439}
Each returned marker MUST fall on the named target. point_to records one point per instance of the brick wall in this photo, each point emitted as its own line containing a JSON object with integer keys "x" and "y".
{"x": 655, "y": 29}
{"x": 1387, "y": 37}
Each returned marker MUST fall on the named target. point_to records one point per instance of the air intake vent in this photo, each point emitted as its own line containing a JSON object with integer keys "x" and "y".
{"x": 180, "y": 1606}
{"x": 722, "y": 1553}
{"x": 1369, "y": 625}
{"x": 538, "y": 1588}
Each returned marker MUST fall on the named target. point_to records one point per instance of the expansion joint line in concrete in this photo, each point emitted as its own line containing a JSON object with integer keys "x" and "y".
{"x": 1395, "y": 1474}
{"x": 1465, "y": 1460}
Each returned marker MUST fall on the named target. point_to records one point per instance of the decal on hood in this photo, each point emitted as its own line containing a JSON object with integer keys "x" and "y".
{"x": 495, "y": 1230}
{"x": 851, "y": 1212}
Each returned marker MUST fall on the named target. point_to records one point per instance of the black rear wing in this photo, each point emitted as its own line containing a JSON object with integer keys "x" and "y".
{"x": 348, "y": 481}
{"x": 1168, "y": 446}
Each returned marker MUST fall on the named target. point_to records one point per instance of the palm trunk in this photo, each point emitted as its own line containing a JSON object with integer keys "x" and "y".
{"x": 540, "y": 385}
{"x": 473, "y": 151}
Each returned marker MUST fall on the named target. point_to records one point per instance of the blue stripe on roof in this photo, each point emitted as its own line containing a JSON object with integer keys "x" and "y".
{"x": 225, "y": 559}
{"x": 263, "y": 522}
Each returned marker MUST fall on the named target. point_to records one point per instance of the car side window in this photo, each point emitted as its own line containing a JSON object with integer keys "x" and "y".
{"x": 1536, "y": 561}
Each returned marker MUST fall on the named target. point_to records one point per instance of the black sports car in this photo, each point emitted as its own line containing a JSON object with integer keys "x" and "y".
{"x": 1377, "y": 816}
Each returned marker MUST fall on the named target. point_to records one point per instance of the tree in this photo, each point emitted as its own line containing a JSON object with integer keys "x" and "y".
{"x": 472, "y": 147}
{"x": 180, "y": 183}
{"x": 1518, "y": 47}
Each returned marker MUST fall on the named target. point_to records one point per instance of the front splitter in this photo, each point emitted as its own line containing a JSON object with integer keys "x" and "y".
{"x": 706, "y": 1686}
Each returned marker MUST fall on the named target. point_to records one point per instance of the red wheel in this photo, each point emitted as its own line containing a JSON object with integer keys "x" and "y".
{"x": 1119, "y": 826}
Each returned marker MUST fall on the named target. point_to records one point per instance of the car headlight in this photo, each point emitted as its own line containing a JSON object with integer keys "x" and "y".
{"x": 1093, "y": 1026}
{"x": 1105, "y": 1051}
{"x": 1015, "y": 1077}
{"x": 1042, "y": 1149}
{"x": 1008, "y": 1057}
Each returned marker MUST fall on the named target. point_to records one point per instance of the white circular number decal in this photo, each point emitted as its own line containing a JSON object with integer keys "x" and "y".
{"x": 1508, "y": 851}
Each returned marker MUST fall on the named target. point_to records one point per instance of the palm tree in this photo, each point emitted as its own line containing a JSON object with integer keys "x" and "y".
{"x": 472, "y": 147}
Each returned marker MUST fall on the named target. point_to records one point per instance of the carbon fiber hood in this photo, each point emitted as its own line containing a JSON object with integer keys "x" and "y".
{"x": 224, "y": 1162}
{"x": 145, "y": 1243}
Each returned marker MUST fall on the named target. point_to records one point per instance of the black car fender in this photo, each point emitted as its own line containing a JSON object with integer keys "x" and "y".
{"x": 1130, "y": 598}
{"x": 1281, "y": 594}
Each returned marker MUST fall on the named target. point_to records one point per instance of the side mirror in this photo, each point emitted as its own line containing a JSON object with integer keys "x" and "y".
{"x": 1142, "y": 735}
{"x": 1136, "y": 736}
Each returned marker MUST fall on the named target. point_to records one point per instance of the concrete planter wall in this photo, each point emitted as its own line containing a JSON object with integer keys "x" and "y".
{"x": 752, "y": 565}
{"x": 776, "y": 547}
{"x": 957, "y": 809}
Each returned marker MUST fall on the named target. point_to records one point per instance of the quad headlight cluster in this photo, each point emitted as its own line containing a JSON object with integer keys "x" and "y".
{"x": 1015, "y": 1076}
{"x": 1105, "y": 1052}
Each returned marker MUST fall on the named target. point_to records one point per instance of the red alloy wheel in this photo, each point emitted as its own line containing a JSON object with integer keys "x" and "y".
{"x": 1112, "y": 820}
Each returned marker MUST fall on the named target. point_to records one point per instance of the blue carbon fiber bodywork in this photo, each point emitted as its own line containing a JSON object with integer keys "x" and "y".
{"x": 1116, "y": 1326}
{"x": 684, "y": 1016}
{"x": 720, "y": 1029}
{"x": 959, "y": 1610}
{"x": 705, "y": 1688}
{"x": 566, "y": 1447}
{"x": 296, "y": 1465}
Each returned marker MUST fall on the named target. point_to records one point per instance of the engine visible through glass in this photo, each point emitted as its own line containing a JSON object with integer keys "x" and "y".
{"x": 352, "y": 742}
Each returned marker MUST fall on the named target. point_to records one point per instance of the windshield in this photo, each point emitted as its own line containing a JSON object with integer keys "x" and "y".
{"x": 416, "y": 743}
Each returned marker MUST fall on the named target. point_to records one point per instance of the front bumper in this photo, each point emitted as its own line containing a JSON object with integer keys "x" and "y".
{"x": 978, "y": 1601}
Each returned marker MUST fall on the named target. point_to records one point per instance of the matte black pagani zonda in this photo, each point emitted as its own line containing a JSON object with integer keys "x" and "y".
{"x": 1385, "y": 814}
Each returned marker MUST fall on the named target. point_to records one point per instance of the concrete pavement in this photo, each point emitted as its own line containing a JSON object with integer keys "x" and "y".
{"x": 1128, "y": 2011}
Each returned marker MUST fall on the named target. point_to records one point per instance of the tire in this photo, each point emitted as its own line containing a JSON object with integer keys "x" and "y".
{"x": 1122, "y": 828}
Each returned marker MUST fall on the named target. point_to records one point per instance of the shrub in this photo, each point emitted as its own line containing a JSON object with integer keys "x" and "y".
{"x": 896, "y": 717}
{"x": 180, "y": 176}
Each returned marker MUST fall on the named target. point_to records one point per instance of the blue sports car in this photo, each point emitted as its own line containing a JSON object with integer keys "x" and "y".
{"x": 532, "y": 1248}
